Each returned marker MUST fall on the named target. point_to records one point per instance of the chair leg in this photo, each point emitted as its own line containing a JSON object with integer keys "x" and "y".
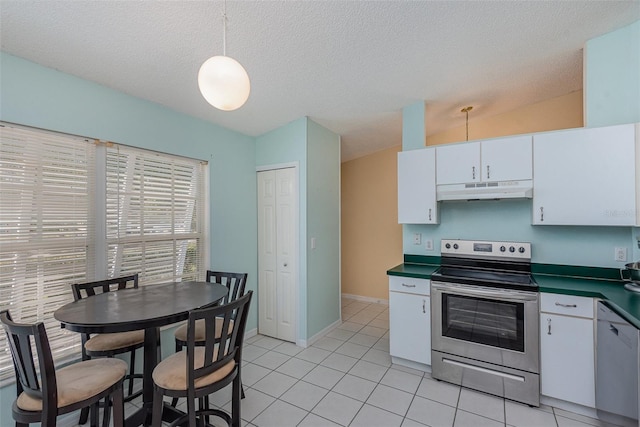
{"x": 118, "y": 408}
{"x": 174, "y": 401}
{"x": 95, "y": 412}
{"x": 107, "y": 411}
{"x": 132, "y": 370}
{"x": 235, "y": 402}
{"x": 84, "y": 415}
{"x": 156, "y": 419}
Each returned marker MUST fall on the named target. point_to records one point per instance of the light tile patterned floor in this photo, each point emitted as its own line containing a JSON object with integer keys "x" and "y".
{"x": 347, "y": 379}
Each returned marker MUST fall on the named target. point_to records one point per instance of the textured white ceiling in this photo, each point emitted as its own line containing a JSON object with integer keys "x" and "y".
{"x": 349, "y": 65}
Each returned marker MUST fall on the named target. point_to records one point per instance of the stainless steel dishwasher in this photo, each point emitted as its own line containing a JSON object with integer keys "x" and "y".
{"x": 617, "y": 368}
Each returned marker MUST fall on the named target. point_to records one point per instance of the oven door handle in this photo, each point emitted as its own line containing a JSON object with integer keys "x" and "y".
{"x": 479, "y": 291}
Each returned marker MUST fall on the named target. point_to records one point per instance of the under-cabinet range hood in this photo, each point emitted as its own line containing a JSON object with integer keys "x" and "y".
{"x": 486, "y": 190}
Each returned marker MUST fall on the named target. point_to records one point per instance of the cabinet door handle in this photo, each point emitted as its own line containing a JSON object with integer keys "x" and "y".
{"x": 559, "y": 304}
{"x": 613, "y": 329}
{"x": 488, "y": 172}
{"x": 429, "y": 214}
{"x": 548, "y": 326}
{"x": 473, "y": 172}
{"x": 408, "y": 286}
{"x": 541, "y": 214}
{"x": 424, "y": 305}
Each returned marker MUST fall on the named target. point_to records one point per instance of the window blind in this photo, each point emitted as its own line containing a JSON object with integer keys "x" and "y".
{"x": 46, "y": 229}
{"x": 154, "y": 207}
{"x": 73, "y": 211}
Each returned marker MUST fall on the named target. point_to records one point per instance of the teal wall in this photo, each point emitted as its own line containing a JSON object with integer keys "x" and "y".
{"x": 323, "y": 224}
{"x": 286, "y": 145}
{"x": 36, "y": 96}
{"x": 414, "y": 134}
{"x": 317, "y": 153}
{"x": 612, "y": 78}
{"x": 510, "y": 220}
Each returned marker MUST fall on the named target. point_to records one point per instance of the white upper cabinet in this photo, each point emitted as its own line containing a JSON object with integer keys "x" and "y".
{"x": 504, "y": 159}
{"x": 507, "y": 159}
{"x": 459, "y": 163}
{"x": 585, "y": 176}
{"x": 417, "y": 187}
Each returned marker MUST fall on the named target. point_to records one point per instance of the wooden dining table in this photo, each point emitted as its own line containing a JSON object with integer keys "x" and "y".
{"x": 147, "y": 307}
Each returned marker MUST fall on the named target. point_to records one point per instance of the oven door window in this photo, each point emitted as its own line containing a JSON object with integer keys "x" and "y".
{"x": 484, "y": 321}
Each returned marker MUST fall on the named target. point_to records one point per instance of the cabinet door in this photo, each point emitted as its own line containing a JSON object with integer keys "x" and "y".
{"x": 410, "y": 327}
{"x": 507, "y": 159}
{"x": 585, "y": 177}
{"x": 417, "y": 187}
{"x": 567, "y": 369}
{"x": 459, "y": 163}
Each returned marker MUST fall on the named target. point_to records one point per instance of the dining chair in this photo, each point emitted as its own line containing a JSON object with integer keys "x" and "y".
{"x": 198, "y": 371}
{"x": 44, "y": 392}
{"x": 110, "y": 345}
{"x": 236, "y": 283}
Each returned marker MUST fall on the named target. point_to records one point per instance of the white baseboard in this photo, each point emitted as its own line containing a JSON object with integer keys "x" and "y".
{"x": 250, "y": 333}
{"x": 569, "y": 406}
{"x": 366, "y": 299}
{"x": 322, "y": 333}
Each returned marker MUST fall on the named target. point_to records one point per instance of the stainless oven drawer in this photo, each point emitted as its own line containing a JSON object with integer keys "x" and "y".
{"x": 494, "y": 379}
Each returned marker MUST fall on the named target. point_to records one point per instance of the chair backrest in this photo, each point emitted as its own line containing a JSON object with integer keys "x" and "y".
{"x": 227, "y": 346}
{"x": 40, "y": 382}
{"x": 84, "y": 290}
{"x": 235, "y": 282}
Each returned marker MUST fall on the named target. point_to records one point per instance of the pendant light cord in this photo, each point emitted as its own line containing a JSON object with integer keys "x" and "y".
{"x": 224, "y": 28}
{"x": 466, "y": 111}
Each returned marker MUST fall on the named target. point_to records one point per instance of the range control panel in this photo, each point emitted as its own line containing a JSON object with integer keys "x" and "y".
{"x": 485, "y": 249}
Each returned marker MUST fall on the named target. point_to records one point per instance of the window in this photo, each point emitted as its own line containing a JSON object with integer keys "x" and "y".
{"x": 73, "y": 210}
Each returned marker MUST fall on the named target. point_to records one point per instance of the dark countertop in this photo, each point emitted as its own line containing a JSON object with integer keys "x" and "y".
{"x": 593, "y": 282}
{"x": 625, "y": 303}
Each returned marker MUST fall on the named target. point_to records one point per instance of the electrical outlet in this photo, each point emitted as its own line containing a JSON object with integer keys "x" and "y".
{"x": 621, "y": 254}
{"x": 428, "y": 244}
{"x": 417, "y": 238}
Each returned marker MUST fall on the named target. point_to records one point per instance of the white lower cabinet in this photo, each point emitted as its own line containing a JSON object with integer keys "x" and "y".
{"x": 567, "y": 352}
{"x": 410, "y": 319}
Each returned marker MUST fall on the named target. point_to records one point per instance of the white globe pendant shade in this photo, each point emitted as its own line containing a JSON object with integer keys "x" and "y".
{"x": 224, "y": 83}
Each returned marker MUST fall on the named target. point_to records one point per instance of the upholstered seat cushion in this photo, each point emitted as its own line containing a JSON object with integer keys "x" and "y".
{"x": 80, "y": 381}
{"x": 171, "y": 373}
{"x": 181, "y": 332}
{"x": 115, "y": 341}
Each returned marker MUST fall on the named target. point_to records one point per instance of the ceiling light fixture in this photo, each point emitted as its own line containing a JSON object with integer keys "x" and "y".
{"x": 466, "y": 110}
{"x": 223, "y": 82}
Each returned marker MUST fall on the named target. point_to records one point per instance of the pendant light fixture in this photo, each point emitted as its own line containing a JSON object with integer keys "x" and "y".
{"x": 223, "y": 82}
{"x": 466, "y": 110}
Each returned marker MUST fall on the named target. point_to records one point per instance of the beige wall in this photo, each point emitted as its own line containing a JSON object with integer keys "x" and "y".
{"x": 562, "y": 112}
{"x": 371, "y": 235}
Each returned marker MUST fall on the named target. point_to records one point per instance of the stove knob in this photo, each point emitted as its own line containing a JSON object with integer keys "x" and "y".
{"x": 502, "y": 249}
{"x": 448, "y": 246}
{"x": 521, "y": 249}
{"x": 512, "y": 249}
{"x": 455, "y": 246}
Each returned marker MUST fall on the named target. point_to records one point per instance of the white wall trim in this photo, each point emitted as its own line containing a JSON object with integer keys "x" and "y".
{"x": 319, "y": 335}
{"x": 366, "y": 299}
{"x": 264, "y": 168}
{"x": 250, "y": 333}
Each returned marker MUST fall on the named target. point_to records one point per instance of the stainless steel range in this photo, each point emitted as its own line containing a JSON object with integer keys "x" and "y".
{"x": 484, "y": 317}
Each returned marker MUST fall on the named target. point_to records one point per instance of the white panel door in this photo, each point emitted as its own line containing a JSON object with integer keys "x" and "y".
{"x": 277, "y": 219}
{"x": 285, "y": 249}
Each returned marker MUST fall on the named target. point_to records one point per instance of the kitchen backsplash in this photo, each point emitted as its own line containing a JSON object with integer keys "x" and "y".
{"x": 511, "y": 220}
